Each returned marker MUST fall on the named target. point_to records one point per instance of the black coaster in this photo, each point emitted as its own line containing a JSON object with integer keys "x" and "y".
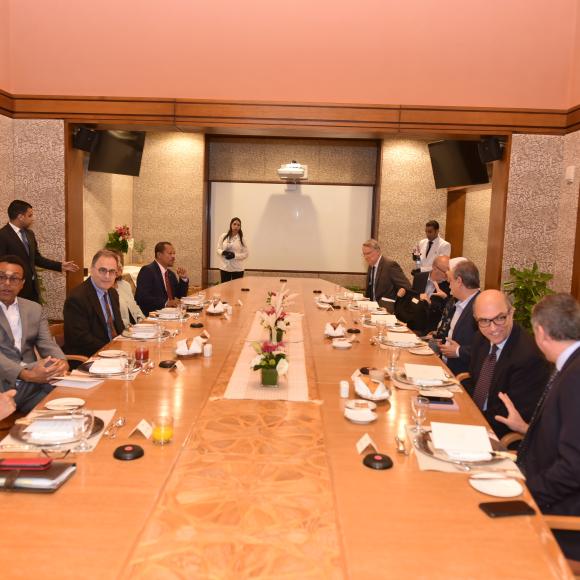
{"x": 353, "y": 330}
{"x": 364, "y": 370}
{"x": 196, "y": 325}
{"x": 167, "y": 364}
{"x": 245, "y": 289}
{"x": 128, "y": 452}
{"x": 378, "y": 461}
{"x": 283, "y": 280}
{"x": 336, "y": 306}
{"x": 316, "y": 291}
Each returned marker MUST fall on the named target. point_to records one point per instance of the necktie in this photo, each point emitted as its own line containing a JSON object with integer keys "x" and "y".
{"x": 373, "y": 270}
{"x": 168, "y": 287}
{"x": 481, "y": 390}
{"x": 25, "y": 241}
{"x": 446, "y": 318}
{"x": 110, "y": 325}
{"x": 523, "y": 448}
{"x": 428, "y": 247}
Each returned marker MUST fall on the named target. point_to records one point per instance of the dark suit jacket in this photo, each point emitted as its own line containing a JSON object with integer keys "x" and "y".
{"x": 85, "y": 327}
{"x": 521, "y": 372}
{"x": 389, "y": 278}
{"x": 552, "y": 461}
{"x": 434, "y": 310}
{"x": 10, "y": 243}
{"x": 463, "y": 333}
{"x": 151, "y": 293}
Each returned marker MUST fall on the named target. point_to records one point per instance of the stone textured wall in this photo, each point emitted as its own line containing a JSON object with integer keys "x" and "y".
{"x": 477, "y": 206}
{"x": 408, "y": 198}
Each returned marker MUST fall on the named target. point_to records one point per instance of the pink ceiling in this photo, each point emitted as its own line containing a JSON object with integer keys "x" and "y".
{"x": 497, "y": 53}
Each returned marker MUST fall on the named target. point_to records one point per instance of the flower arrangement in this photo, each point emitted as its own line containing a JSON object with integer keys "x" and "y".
{"x": 119, "y": 239}
{"x": 273, "y": 317}
{"x": 270, "y": 360}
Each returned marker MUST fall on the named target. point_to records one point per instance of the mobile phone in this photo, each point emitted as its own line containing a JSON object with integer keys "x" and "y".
{"x": 439, "y": 400}
{"x": 35, "y": 463}
{"x": 502, "y": 509}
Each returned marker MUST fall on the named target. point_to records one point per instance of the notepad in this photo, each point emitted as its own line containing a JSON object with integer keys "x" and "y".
{"x": 460, "y": 439}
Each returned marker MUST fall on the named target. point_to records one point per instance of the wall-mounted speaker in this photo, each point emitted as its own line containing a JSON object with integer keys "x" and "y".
{"x": 490, "y": 149}
{"x": 84, "y": 138}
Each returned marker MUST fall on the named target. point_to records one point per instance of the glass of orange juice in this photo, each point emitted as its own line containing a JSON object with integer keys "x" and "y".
{"x": 162, "y": 429}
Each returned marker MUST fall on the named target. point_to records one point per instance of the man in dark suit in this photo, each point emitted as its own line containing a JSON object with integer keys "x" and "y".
{"x": 16, "y": 238}
{"x": 24, "y": 334}
{"x": 464, "y": 284}
{"x": 157, "y": 285}
{"x": 549, "y": 455}
{"x": 92, "y": 317}
{"x": 385, "y": 277}
{"x": 504, "y": 358}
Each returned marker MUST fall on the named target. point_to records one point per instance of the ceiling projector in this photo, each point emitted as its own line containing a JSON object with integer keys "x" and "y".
{"x": 293, "y": 171}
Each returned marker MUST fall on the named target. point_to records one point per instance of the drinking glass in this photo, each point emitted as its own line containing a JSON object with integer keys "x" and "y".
{"x": 182, "y": 311}
{"x": 142, "y": 355}
{"x": 130, "y": 362}
{"x": 381, "y": 326}
{"x": 83, "y": 421}
{"x": 419, "y": 406}
{"x": 162, "y": 430}
{"x": 393, "y": 354}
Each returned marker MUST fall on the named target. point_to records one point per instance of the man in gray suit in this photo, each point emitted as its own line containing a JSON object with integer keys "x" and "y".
{"x": 24, "y": 330}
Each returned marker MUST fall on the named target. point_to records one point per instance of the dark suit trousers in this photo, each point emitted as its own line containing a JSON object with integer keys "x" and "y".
{"x": 28, "y": 395}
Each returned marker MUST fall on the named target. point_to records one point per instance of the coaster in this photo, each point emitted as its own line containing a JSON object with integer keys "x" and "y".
{"x": 353, "y": 330}
{"x": 196, "y": 325}
{"x": 378, "y": 461}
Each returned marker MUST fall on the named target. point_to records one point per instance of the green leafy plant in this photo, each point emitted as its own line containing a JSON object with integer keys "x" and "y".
{"x": 526, "y": 288}
{"x": 118, "y": 239}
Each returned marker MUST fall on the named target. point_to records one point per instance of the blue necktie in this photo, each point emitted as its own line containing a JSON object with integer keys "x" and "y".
{"x": 25, "y": 241}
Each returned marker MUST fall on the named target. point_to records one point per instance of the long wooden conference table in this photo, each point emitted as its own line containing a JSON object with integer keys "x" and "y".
{"x": 264, "y": 489}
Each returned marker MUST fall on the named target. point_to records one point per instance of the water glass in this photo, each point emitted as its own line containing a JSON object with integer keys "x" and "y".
{"x": 83, "y": 421}
{"x": 419, "y": 405}
{"x": 393, "y": 354}
{"x": 130, "y": 363}
{"x": 381, "y": 327}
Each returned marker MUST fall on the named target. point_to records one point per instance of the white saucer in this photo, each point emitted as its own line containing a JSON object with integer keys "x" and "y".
{"x": 496, "y": 487}
{"x": 341, "y": 343}
{"x": 112, "y": 353}
{"x": 65, "y": 404}
{"x": 360, "y": 404}
{"x": 360, "y": 417}
{"x": 397, "y": 329}
{"x": 422, "y": 351}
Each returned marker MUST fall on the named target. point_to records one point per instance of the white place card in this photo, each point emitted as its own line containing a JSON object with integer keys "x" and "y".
{"x": 454, "y": 438}
{"x": 240, "y": 303}
{"x": 205, "y": 334}
{"x": 364, "y": 442}
{"x": 143, "y": 428}
{"x": 179, "y": 366}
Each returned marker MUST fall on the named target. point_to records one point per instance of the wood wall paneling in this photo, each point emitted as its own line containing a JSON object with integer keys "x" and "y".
{"x": 455, "y": 219}
{"x": 497, "y": 217}
{"x": 576, "y": 266}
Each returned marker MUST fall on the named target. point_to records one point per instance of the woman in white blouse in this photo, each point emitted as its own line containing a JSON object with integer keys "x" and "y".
{"x": 130, "y": 311}
{"x": 233, "y": 251}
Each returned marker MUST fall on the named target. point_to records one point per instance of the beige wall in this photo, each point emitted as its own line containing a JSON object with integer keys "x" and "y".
{"x": 477, "y": 206}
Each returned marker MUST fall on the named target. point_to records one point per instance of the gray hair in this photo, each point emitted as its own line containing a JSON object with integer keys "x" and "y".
{"x": 468, "y": 272}
{"x": 373, "y": 244}
{"x": 559, "y": 316}
{"x": 104, "y": 253}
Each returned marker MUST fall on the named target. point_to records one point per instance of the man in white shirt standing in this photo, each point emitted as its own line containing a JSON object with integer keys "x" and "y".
{"x": 432, "y": 246}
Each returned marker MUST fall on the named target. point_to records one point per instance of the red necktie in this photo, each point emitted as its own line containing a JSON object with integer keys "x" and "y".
{"x": 168, "y": 287}
{"x": 483, "y": 385}
{"x": 110, "y": 325}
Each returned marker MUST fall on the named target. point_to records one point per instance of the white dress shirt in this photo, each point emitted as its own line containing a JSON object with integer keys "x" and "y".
{"x": 440, "y": 247}
{"x": 12, "y": 314}
{"x": 234, "y": 245}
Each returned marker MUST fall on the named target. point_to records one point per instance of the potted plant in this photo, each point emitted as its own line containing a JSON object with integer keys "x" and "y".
{"x": 526, "y": 288}
{"x": 118, "y": 239}
{"x": 270, "y": 361}
{"x": 139, "y": 248}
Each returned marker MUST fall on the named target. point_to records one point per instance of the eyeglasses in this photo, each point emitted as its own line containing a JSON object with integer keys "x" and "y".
{"x": 10, "y": 279}
{"x": 499, "y": 320}
{"x": 104, "y": 271}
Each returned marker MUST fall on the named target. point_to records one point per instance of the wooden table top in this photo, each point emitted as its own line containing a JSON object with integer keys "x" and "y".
{"x": 265, "y": 489}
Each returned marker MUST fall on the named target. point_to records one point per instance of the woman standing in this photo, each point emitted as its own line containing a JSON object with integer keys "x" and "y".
{"x": 233, "y": 251}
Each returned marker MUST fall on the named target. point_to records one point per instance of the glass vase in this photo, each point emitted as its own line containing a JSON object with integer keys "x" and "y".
{"x": 269, "y": 377}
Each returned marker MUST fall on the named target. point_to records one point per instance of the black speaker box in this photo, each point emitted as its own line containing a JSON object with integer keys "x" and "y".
{"x": 84, "y": 138}
{"x": 490, "y": 149}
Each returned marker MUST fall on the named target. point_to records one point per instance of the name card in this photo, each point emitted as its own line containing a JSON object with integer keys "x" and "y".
{"x": 143, "y": 428}
{"x": 364, "y": 442}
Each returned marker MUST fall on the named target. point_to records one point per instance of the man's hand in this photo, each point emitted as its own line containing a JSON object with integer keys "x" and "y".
{"x": 450, "y": 349}
{"x": 172, "y": 303}
{"x": 69, "y": 267}
{"x": 438, "y": 291}
{"x": 401, "y": 292}
{"x": 181, "y": 272}
{"x": 44, "y": 370}
{"x": 514, "y": 420}
{"x": 425, "y": 298}
{"x": 7, "y": 404}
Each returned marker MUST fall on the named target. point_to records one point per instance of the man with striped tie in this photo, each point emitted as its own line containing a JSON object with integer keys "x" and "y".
{"x": 549, "y": 455}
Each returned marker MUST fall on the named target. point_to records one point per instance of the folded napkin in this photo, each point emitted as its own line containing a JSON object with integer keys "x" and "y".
{"x": 51, "y": 430}
{"x": 357, "y": 296}
{"x": 105, "y": 366}
{"x": 461, "y": 442}
{"x": 196, "y": 346}
{"x": 363, "y": 389}
{"x": 216, "y": 308}
{"x": 468, "y": 456}
{"x": 143, "y": 330}
{"x": 387, "y": 319}
{"x": 326, "y": 299}
{"x": 330, "y": 330}
{"x": 402, "y": 338}
{"x": 168, "y": 313}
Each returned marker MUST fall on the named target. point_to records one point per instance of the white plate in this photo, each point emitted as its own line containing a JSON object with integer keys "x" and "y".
{"x": 360, "y": 404}
{"x": 65, "y": 404}
{"x": 422, "y": 351}
{"x": 398, "y": 329}
{"x": 340, "y": 343}
{"x": 369, "y": 417}
{"x": 497, "y": 487}
{"x": 112, "y": 353}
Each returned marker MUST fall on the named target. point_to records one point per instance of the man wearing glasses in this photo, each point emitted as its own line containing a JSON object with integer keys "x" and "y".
{"x": 23, "y": 333}
{"x": 92, "y": 317}
{"x": 504, "y": 359}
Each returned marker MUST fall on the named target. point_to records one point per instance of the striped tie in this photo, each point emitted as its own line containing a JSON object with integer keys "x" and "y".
{"x": 110, "y": 325}
{"x": 483, "y": 385}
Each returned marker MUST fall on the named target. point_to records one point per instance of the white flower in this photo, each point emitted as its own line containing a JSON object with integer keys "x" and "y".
{"x": 256, "y": 361}
{"x": 282, "y": 366}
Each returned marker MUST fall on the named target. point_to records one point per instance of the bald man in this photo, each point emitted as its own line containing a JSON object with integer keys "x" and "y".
{"x": 504, "y": 359}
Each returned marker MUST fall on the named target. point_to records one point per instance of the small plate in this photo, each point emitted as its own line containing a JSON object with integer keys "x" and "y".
{"x": 421, "y": 351}
{"x": 360, "y": 404}
{"x": 498, "y": 487}
{"x": 397, "y": 328}
{"x": 65, "y": 404}
{"x": 112, "y": 353}
{"x": 369, "y": 417}
{"x": 341, "y": 344}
